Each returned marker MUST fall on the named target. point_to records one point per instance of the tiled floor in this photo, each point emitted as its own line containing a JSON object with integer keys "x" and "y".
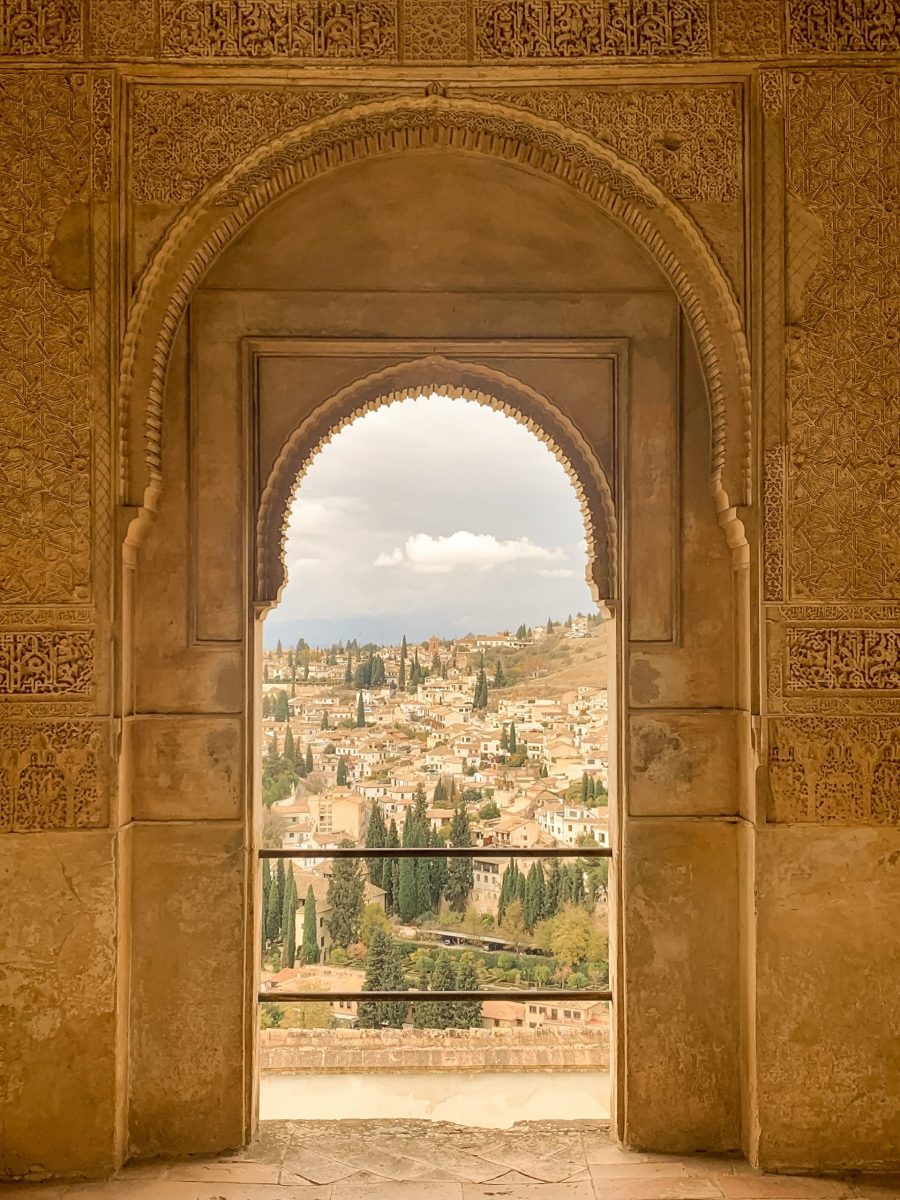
{"x": 420, "y": 1160}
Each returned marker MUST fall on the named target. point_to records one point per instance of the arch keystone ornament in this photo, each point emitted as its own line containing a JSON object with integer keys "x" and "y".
{"x": 457, "y": 380}
{"x": 405, "y": 125}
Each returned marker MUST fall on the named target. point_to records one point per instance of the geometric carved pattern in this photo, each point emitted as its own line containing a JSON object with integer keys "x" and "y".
{"x": 51, "y": 776}
{"x": 573, "y": 29}
{"x": 748, "y": 28}
{"x": 351, "y": 30}
{"x": 843, "y": 25}
{"x": 45, "y": 416}
{"x": 40, "y": 27}
{"x": 843, "y": 375}
{"x": 122, "y": 28}
{"x": 687, "y": 139}
{"x": 46, "y": 664}
{"x": 843, "y": 660}
{"x": 835, "y": 771}
{"x": 435, "y": 31}
{"x": 773, "y": 523}
{"x": 183, "y": 137}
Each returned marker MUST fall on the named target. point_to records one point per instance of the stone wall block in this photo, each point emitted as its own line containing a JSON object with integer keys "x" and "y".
{"x": 683, "y": 764}
{"x": 187, "y": 768}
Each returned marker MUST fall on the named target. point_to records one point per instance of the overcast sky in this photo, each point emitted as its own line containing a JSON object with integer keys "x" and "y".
{"x": 430, "y": 516}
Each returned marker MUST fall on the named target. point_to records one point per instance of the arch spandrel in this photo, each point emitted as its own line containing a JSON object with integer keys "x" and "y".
{"x": 457, "y": 380}
{"x": 403, "y": 125}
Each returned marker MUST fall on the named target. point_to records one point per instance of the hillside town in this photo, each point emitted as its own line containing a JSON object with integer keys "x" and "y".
{"x": 497, "y": 740}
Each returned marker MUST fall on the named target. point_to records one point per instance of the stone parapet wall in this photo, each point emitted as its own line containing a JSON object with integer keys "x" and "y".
{"x": 352, "y": 1051}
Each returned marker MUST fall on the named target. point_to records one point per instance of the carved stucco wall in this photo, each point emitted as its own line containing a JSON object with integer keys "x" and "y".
{"x": 827, "y": 371}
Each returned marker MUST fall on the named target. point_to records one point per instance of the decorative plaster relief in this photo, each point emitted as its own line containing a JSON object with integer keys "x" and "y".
{"x": 687, "y": 139}
{"x": 435, "y": 31}
{"x": 123, "y": 28}
{"x": 47, "y": 664}
{"x": 40, "y": 28}
{"x": 843, "y": 660}
{"x": 843, "y": 367}
{"x": 573, "y": 29}
{"x": 835, "y": 771}
{"x": 51, "y": 776}
{"x": 183, "y": 137}
{"x": 748, "y": 28}
{"x": 822, "y": 26}
{"x": 345, "y": 30}
{"x": 773, "y": 523}
{"x": 45, "y": 403}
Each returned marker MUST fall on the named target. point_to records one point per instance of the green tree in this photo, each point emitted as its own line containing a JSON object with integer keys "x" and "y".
{"x": 289, "y": 921}
{"x": 383, "y": 974}
{"x": 360, "y": 712}
{"x": 373, "y": 919}
{"x": 324, "y": 724}
{"x": 376, "y": 837}
{"x": 342, "y": 775}
{"x": 273, "y": 912}
{"x": 270, "y": 1015}
{"x": 281, "y": 711}
{"x": 279, "y": 890}
{"x": 309, "y": 760}
{"x": 514, "y": 921}
{"x": 289, "y": 753}
{"x": 480, "y": 700}
{"x": 460, "y": 871}
{"x": 401, "y": 674}
{"x": 504, "y": 740}
{"x": 348, "y": 671}
{"x": 468, "y": 1012}
{"x": 522, "y": 633}
{"x": 390, "y": 879}
{"x": 499, "y": 679}
{"x": 534, "y": 896}
{"x": 346, "y": 891}
{"x": 571, "y": 936}
{"x": 489, "y": 811}
{"x": 309, "y": 949}
{"x": 513, "y": 744}
{"x": 278, "y": 649}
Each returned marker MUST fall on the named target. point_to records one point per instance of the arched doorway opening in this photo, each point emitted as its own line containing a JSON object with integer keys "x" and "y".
{"x": 447, "y": 520}
{"x": 537, "y": 266}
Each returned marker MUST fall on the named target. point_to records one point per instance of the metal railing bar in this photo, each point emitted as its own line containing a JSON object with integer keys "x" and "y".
{"x": 441, "y": 852}
{"x": 412, "y": 997}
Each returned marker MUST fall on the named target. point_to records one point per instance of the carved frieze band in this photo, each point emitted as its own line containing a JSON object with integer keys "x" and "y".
{"x": 47, "y": 664}
{"x": 835, "y": 771}
{"x": 52, "y": 776}
{"x": 816, "y": 26}
{"x": 567, "y": 29}
{"x": 843, "y": 660}
{"x": 40, "y": 28}
{"x": 303, "y": 29}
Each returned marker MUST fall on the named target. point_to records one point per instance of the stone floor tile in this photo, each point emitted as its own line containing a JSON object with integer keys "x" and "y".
{"x": 353, "y": 1189}
{"x": 499, "y": 1190}
{"x": 645, "y": 1170}
{"x": 656, "y": 1187}
{"x": 883, "y": 1187}
{"x": 263, "y": 1191}
{"x": 465, "y": 1166}
{"x": 302, "y": 1165}
{"x": 536, "y": 1166}
{"x": 361, "y": 1155}
{"x": 784, "y": 1187}
{"x": 135, "y": 1189}
{"x": 225, "y": 1171}
{"x": 32, "y": 1191}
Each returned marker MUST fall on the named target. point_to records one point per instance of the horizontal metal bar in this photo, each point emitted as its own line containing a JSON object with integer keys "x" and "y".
{"x": 415, "y": 997}
{"x": 442, "y": 852}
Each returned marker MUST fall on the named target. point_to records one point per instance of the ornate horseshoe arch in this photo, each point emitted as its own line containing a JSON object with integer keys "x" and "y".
{"x": 447, "y": 377}
{"x": 401, "y": 125}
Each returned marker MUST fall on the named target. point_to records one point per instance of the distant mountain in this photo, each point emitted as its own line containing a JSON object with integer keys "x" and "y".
{"x": 383, "y": 631}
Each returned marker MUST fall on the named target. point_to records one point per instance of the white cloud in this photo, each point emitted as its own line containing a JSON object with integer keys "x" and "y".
{"x": 429, "y": 555}
{"x": 557, "y": 573}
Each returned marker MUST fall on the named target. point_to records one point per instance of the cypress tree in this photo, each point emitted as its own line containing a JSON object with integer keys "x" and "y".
{"x": 504, "y": 740}
{"x": 383, "y": 974}
{"x": 545, "y": 774}
{"x": 279, "y": 889}
{"x": 468, "y": 1012}
{"x": 342, "y": 775}
{"x": 346, "y": 892}
{"x": 444, "y": 980}
{"x": 390, "y": 878}
{"x": 401, "y": 675}
{"x": 534, "y": 895}
{"x": 552, "y": 890}
{"x": 376, "y": 836}
{"x": 513, "y": 744}
{"x": 289, "y": 752}
{"x": 460, "y": 871}
{"x": 360, "y": 712}
{"x": 348, "y": 671}
{"x": 278, "y": 649}
{"x": 282, "y": 710}
{"x": 289, "y": 922}
{"x": 273, "y": 911}
{"x": 584, "y": 787}
{"x": 324, "y": 724}
{"x": 309, "y": 760}
{"x": 309, "y": 950}
{"x": 507, "y": 889}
